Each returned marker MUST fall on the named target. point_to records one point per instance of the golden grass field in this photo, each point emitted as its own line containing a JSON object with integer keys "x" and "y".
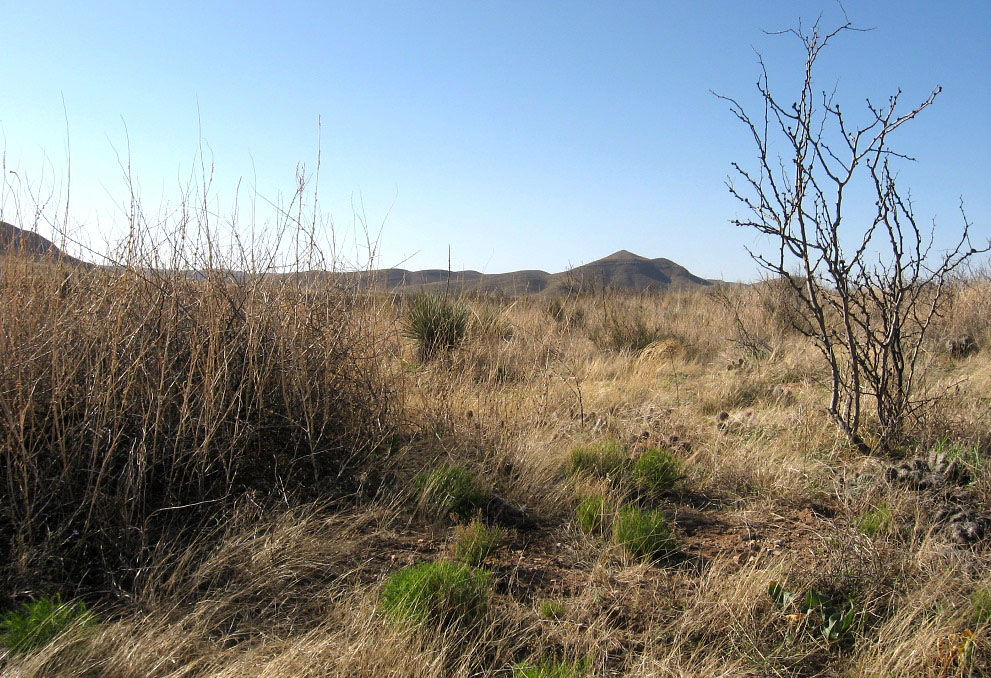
{"x": 224, "y": 472}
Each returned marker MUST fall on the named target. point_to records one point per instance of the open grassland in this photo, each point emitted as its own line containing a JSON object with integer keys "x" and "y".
{"x": 257, "y": 477}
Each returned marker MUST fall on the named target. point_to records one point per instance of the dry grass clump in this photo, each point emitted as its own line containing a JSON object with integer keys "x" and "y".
{"x": 140, "y": 403}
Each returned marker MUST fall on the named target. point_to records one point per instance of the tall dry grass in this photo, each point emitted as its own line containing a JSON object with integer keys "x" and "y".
{"x": 138, "y": 403}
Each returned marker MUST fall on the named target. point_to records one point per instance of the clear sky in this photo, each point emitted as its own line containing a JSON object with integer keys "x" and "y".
{"x": 527, "y": 134}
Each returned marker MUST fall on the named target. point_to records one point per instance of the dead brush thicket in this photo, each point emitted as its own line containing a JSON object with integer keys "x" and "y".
{"x": 222, "y": 467}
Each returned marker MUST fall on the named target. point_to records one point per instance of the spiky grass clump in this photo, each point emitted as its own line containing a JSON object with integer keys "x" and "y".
{"x": 644, "y": 533}
{"x": 605, "y": 458}
{"x": 437, "y": 325}
{"x": 36, "y": 622}
{"x": 657, "y": 471}
{"x": 593, "y": 513}
{"x": 451, "y": 490}
{"x": 476, "y": 542}
{"x": 436, "y": 592}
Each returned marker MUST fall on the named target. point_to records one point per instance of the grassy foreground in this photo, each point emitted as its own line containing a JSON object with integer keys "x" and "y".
{"x": 256, "y": 477}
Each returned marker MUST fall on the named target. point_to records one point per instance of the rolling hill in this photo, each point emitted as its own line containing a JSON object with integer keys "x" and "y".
{"x": 622, "y": 270}
{"x": 14, "y": 240}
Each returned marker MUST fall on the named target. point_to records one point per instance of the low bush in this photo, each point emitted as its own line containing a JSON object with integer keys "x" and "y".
{"x": 451, "y": 490}
{"x": 476, "y": 542}
{"x": 657, "y": 471}
{"x": 644, "y": 533}
{"x": 36, "y": 622}
{"x": 435, "y": 592}
{"x": 604, "y": 458}
{"x": 435, "y": 324}
{"x": 593, "y": 513}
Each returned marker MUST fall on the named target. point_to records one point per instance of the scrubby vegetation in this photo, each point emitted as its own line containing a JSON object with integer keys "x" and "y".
{"x": 276, "y": 474}
{"x": 255, "y": 476}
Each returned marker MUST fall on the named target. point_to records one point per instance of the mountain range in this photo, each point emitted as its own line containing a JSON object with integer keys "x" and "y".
{"x": 622, "y": 270}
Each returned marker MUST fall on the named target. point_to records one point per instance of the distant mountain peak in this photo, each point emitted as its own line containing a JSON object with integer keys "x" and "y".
{"x": 620, "y": 257}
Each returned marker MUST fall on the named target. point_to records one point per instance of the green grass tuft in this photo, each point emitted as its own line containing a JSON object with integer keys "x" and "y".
{"x": 552, "y": 609}
{"x": 980, "y": 603}
{"x": 657, "y": 471}
{"x": 36, "y": 622}
{"x": 593, "y": 513}
{"x": 644, "y": 533}
{"x": 476, "y": 542}
{"x": 451, "y": 490}
{"x": 552, "y": 668}
{"x": 435, "y": 592}
{"x": 875, "y": 521}
{"x": 605, "y": 458}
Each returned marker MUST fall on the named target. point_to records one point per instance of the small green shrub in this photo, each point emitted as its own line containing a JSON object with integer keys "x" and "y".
{"x": 552, "y": 609}
{"x": 593, "y": 512}
{"x": 552, "y": 668}
{"x": 875, "y": 521}
{"x": 435, "y": 324}
{"x": 644, "y": 533}
{"x": 604, "y": 458}
{"x": 980, "y": 603}
{"x": 451, "y": 490}
{"x": 36, "y": 622}
{"x": 435, "y": 592}
{"x": 834, "y": 622}
{"x": 968, "y": 455}
{"x": 656, "y": 471}
{"x": 476, "y": 542}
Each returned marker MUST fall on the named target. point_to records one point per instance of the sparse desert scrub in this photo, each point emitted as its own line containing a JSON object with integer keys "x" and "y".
{"x": 285, "y": 572}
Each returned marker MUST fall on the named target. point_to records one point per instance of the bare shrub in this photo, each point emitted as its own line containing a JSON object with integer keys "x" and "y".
{"x": 867, "y": 312}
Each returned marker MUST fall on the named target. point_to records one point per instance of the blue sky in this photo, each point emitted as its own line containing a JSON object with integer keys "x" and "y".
{"x": 517, "y": 134}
